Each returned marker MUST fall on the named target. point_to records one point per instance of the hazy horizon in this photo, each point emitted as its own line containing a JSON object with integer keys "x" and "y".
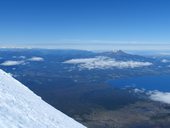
{"x": 94, "y": 46}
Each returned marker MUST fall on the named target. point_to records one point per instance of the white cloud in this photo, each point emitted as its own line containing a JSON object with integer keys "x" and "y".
{"x": 36, "y": 59}
{"x": 11, "y": 63}
{"x": 22, "y": 57}
{"x": 102, "y": 62}
{"x": 155, "y": 95}
{"x": 136, "y": 90}
{"x": 165, "y": 61}
{"x": 160, "y": 96}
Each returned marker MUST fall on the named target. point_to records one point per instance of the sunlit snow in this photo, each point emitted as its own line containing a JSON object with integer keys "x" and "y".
{"x": 21, "y": 108}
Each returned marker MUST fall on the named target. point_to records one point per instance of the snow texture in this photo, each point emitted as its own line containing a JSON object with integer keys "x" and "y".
{"x": 21, "y": 108}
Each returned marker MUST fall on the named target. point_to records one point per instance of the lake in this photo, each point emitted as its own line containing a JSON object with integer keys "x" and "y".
{"x": 158, "y": 82}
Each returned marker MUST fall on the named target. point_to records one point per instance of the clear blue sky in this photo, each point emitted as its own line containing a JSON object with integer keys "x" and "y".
{"x": 56, "y": 22}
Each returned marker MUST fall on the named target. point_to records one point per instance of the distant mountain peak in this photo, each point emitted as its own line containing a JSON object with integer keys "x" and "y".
{"x": 121, "y": 55}
{"x": 119, "y": 52}
{"x": 114, "y": 52}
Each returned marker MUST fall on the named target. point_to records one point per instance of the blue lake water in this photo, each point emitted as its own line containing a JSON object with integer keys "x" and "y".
{"x": 159, "y": 82}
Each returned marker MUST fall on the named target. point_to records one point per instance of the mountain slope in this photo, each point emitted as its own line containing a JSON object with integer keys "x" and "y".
{"x": 121, "y": 55}
{"x": 21, "y": 108}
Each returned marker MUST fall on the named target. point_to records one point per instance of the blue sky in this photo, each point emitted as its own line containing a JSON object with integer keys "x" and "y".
{"x": 85, "y": 23}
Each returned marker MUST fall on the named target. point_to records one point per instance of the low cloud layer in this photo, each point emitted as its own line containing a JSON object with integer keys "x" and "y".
{"x": 102, "y": 62}
{"x": 36, "y": 59}
{"x": 165, "y": 61}
{"x": 14, "y": 62}
{"x": 160, "y": 96}
{"x": 11, "y": 63}
{"x": 154, "y": 95}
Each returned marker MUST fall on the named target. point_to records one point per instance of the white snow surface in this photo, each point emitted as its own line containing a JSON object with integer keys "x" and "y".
{"x": 21, "y": 108}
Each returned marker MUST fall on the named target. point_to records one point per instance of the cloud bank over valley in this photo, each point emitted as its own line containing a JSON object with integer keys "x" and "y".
{"x": 102, "y": 62}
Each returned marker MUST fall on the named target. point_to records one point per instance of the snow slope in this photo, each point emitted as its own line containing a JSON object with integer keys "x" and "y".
{"x": 21, "y": 108}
